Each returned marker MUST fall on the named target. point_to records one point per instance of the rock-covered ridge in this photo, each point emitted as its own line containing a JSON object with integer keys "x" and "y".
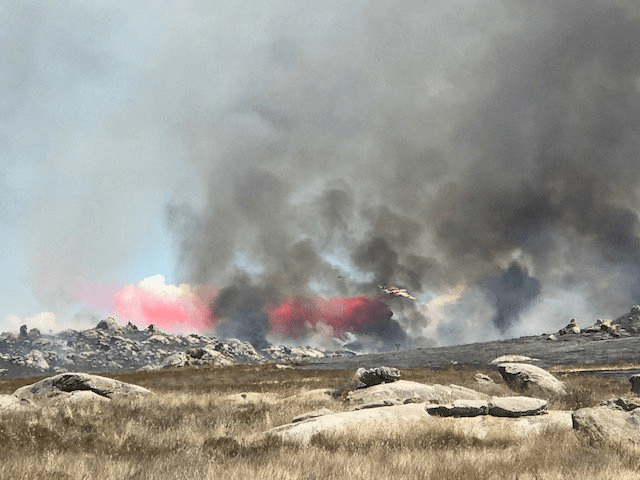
{"x": 112, "y": 346}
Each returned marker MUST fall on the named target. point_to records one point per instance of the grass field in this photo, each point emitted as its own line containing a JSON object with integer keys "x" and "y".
{"x": 204, "y": 424}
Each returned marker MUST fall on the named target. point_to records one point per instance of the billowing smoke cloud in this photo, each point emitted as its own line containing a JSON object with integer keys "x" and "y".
{"x": 510, "y": 292}
{"x": 413, "y": 145}
{"x": 315, "y": 150}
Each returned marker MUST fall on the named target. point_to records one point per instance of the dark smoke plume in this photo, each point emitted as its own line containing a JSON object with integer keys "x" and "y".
{"x": 427, "y": 146}
{"x": 510, "y": 292}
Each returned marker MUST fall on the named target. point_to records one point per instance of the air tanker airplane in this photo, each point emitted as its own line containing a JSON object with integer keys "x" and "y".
{"x": 395, "y": 291}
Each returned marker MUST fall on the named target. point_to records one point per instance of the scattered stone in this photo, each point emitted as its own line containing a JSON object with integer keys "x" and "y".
{"x": 516, "y": 406}
{"x": 511, "y": 359}
{"x": 635, "y": 383}
{"x": 378, "y": 375}
{"x": 525, "y": 378}
{"x": 552, "y": 338}
{"x": 571, "y": 329}
{"x": 606, "y": 423}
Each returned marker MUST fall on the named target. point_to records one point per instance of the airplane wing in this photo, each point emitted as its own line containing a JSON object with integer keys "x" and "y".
{"x": 403, "y": 293}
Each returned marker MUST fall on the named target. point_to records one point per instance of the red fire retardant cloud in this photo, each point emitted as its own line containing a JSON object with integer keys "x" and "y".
{"x": 295, "y": 316}
{"x": 178, "y": 314}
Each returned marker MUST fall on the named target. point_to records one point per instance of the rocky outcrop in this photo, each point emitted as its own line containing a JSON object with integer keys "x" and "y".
{"x": 115, "y": 346}
{"x": 605, "y": 326}
{"x": 403, "y": 391}
{"x": 607, "y": 424}
{"x": 378, "y": 375}
{"x": 197, "y": 357}
{"x": 572, "y": 328}
{"x": 525, "y": 378}
{"x": 630, "y": 322}
{"x": 635, "y": 383}
{"x": 242, "y": 351}
{"x": 68, "y": 385}
{"x": 292, "y": 354}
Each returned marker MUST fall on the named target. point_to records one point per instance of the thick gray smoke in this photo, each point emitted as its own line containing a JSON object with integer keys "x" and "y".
{"x": 481, "y": 154}
{"x": 510, "y": 293}
{"x": 240, "y": 305}
{"x": 429, "y": 145}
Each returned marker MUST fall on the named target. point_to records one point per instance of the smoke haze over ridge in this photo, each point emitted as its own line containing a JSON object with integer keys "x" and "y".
{"x": 486, "y": 154}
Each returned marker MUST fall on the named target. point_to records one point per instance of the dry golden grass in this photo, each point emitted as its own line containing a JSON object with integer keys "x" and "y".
{"x": 198, "y": 424}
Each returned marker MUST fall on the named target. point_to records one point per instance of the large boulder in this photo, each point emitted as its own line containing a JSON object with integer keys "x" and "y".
{"x": 525, "y": 378}
{"x": 386, "y": 421}
{"x": 608, "y": 424}
{"x": 64, "y": 385}
{"x": 635, "y": 383}
{"x": 378, "y": 375}
{"x": 403, "y": 391}
{"x": 381, "y": 419}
